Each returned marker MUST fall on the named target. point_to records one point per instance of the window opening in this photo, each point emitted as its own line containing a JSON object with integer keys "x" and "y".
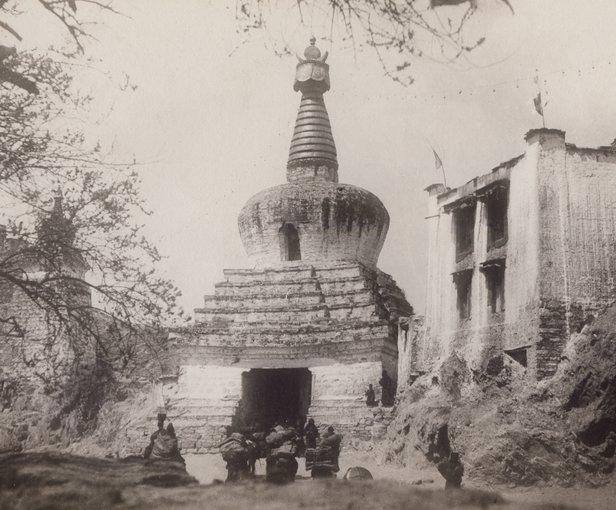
{"x": 464, "y": 219}
{"x": 496, "y": 208}
{"x": 496, "y": 291}
{"x": 494, "y": 272}
{"x": 462, "y": 281}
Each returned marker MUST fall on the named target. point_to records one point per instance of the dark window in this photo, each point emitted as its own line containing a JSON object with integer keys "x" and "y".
{"x": 462, "y": 281}
{"x": 289, "y": 243}
{"x": 495, "y": 281}
{"x": 519, "y": 355}
{"x": 496, "y": 207}
{"x": 464, "y": 220}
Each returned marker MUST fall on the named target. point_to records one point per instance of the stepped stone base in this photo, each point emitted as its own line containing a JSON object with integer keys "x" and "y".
{"x": 338, "y": 321}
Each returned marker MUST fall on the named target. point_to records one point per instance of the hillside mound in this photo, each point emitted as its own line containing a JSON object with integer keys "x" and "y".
{"x": 510, "y": 430}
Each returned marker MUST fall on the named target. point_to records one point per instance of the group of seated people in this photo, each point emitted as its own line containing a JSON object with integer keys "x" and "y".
{"x": 279, "y": 445}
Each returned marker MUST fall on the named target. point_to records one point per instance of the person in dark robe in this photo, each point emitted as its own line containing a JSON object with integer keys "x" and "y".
{"x": 173, "y": 448}
{"x": 452, "y": 470}
{"x": 311, "y": 434}
{"x": 161, "y": 417}
{"x": 234, "y": 452}
{"x": 332, "y": 440}
{"x": 370, "y": 396}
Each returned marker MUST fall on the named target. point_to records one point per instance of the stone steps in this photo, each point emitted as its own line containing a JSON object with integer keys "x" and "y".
{"x": 295, "y": 272}
{"x": 287, "y": 313}
{"x": 262, "y": 301}
{"x": 264, "y": 333}
{"x": 258, "y": 288}
{"x": 288, "y": 299}
{"x": 252, "y": 340}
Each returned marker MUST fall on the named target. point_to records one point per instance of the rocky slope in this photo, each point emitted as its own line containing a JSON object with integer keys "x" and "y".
{"x": 561, "y": 431}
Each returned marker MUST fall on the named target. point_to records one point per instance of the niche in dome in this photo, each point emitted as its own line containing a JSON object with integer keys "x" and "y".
{"x": 289, "y": 243}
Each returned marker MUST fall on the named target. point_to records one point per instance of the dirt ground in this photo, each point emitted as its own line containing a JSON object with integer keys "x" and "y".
{"x": 207, "y": 468}
{"x": 53, "y": 480}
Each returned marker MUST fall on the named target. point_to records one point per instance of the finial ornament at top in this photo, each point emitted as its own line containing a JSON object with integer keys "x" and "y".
{"x": 312, "y": 72}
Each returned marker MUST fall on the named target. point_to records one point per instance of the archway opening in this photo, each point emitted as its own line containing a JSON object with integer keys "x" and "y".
{"x": 289, "y": 243}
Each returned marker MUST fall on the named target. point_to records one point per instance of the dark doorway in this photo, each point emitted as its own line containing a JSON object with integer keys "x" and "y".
{"x": 289, "y": 243}
{"x": 275, "y": 395}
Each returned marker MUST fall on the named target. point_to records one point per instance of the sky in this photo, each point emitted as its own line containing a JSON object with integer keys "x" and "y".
{"x": 209, "y": 115}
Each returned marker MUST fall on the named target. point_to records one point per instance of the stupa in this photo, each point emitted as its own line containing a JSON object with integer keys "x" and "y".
{"x": 314, "y": 322}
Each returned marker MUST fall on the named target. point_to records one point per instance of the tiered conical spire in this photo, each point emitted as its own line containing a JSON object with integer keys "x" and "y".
{"x": 313, "y": 151}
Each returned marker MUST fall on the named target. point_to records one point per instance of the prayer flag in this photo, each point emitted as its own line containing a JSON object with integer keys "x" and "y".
{"x": 437, "y": 161}
{"x": 538, "y": 104}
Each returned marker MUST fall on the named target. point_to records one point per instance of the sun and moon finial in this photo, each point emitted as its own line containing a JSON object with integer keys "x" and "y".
{"x": 312, "y": 53}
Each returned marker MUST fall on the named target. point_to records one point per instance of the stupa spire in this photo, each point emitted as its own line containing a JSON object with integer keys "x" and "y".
{"x": 313, "y": 151}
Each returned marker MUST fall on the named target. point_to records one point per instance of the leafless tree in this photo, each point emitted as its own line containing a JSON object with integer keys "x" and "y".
{"x": 73, "y": 257}
{"x": 73, "y": 209}
{"x": 398, "y": 30}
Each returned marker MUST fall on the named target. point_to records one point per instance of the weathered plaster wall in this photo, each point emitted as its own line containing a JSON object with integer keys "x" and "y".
{"x": 484, "y": 334}
{"x": 440, "y": 302}
{"x": 591, "y": 241}
{"x": 522, "y": 263}
{"x": 559, "y": 256}
{"x": 201, "y": 403}
{"x": 577, "y": 240}
{"x": 338, "y": 398}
